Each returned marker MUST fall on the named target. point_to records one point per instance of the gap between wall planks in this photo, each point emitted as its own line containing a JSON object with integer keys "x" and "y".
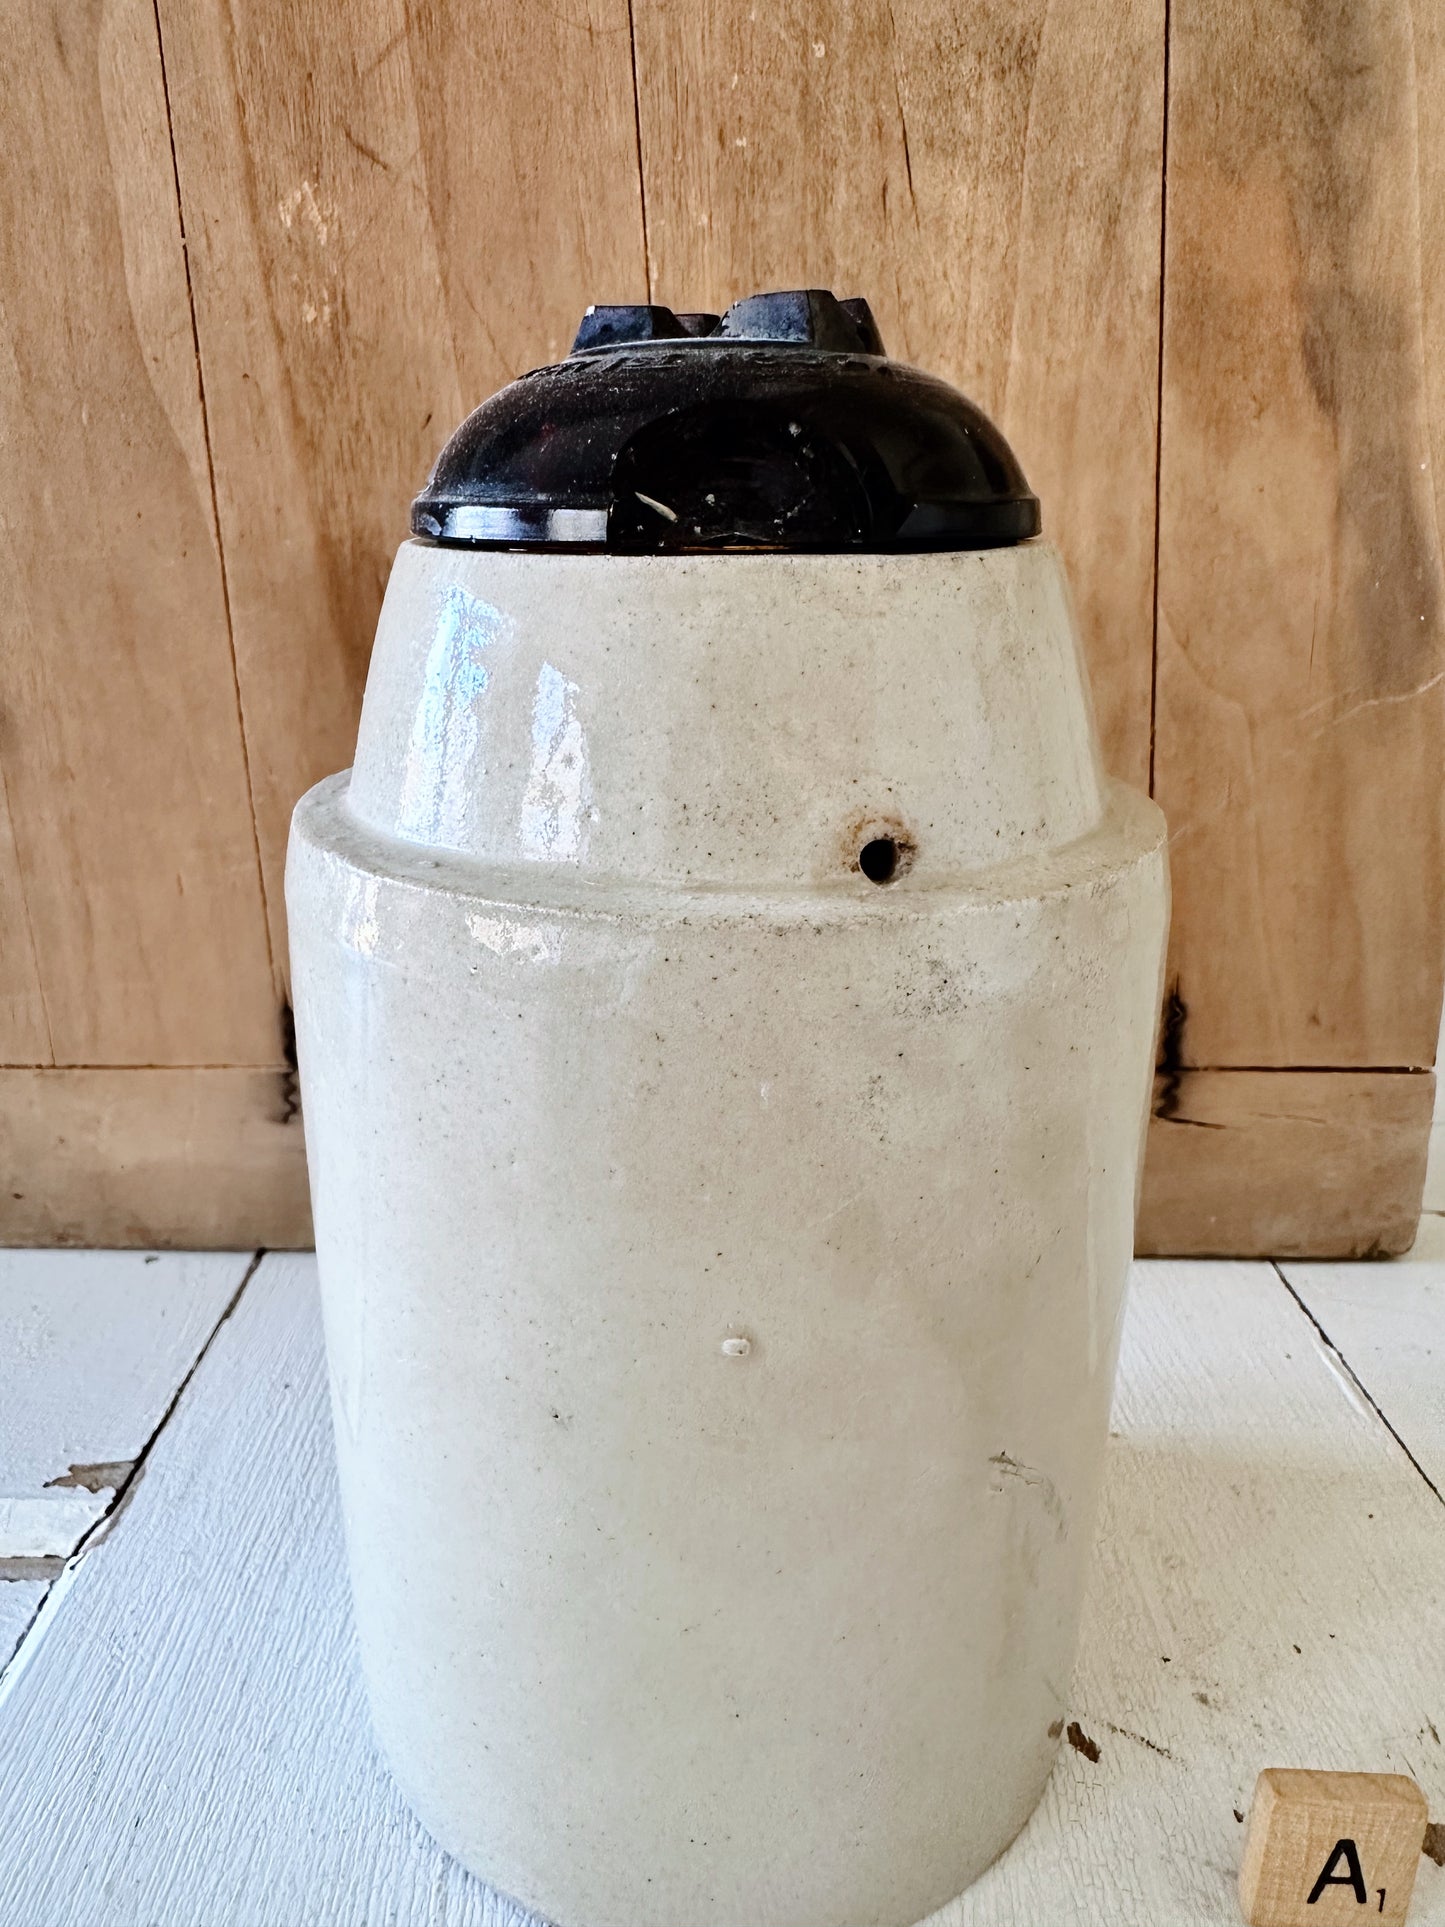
{"x": 1007, "y": 223}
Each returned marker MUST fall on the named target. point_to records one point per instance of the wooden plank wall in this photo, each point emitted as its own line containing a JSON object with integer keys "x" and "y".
{"x": 256, "y": 259}
{"x": 1299, "y": 674}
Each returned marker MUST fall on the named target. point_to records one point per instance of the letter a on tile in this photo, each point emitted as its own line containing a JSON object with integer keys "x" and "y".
{"x": 1352, "y": 1877}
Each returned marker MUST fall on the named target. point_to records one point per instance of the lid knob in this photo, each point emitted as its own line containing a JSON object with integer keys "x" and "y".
{"x": 609, "y": 327}
{"x": 812, "y": 317}
{"x": 809, "y": 315}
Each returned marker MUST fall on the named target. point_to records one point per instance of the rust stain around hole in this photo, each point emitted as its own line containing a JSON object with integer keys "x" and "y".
{"x": 869, "y": 828}
{"x": 105, "y": 1475}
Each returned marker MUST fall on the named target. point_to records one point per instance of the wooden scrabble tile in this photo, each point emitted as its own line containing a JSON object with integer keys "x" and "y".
{"x": 1329, "y": 1847}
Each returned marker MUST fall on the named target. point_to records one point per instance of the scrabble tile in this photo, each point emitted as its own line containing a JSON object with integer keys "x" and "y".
{"x": 1329, "y": 1847}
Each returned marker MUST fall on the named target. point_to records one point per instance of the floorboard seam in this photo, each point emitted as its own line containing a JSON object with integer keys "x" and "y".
{"x": 123, "y": 1496}
{"x": 118, "y": 1503}
{"x": 1365, "y": 1393}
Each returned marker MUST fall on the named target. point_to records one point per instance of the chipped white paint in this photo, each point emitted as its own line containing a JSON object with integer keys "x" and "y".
{"x": 613, "y": 832}
{"x": 51, "y": 1524}
{"x": 190, "y": 1743}
{"x": 92, "y": 1347}
{"x": 303, "y": 204}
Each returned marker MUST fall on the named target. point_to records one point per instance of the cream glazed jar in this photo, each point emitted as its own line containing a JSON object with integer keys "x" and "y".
{"x": 726, "y": 990}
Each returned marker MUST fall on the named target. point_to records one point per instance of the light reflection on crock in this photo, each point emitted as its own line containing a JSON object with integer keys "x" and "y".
{"x": 441, "y": 780}
{"x": 508, "y": 936}
{"x": 557, "y": 812}
{"x": 358, "y": 915}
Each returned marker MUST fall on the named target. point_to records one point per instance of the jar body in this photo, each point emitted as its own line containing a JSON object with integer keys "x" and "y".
{"x": 722, "y": 1273}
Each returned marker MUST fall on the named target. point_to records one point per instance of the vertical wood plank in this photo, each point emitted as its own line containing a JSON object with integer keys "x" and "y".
{"x": 1301, "y": 679}
{"x": 124, "y": 769}
{"x": 390, "y": 212}
{"x": 944, "y": 159}
{"x": 24, "y": 1028}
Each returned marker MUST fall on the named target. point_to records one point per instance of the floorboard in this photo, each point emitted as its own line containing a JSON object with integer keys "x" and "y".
{"x": 1387, "y": 1325}
{"x": 189, "y": 1744}
{"x": 188, "y": 1741}
{"x": 19, "y": 1603}
{"x": 1266, "y": 1592}
{"x": 94, "y": 1346}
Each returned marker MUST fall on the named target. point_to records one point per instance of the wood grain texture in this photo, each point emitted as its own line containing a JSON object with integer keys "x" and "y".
{"x": 1323, "y": 1846}
{"x": 1265, "y": 1557}
{"x": 212, "y": 1159}
{"x": 93, "y": 1347}
{"x": 1301, "y": 674}
{"x": 1388, "y": 1327}
{"x": 942, "y": 159}
{"x": 24, "y": 1026}
{"x": 390, "y": 212}
{"x": 128, "y": 867}
{"x": 1281, "y": 1164}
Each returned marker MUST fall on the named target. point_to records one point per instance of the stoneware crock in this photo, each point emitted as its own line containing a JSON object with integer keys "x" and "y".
{"x": 726, "y": 988}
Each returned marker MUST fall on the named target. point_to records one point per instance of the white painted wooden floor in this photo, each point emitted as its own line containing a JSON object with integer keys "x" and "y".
{"x": 183, "y": 1739}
